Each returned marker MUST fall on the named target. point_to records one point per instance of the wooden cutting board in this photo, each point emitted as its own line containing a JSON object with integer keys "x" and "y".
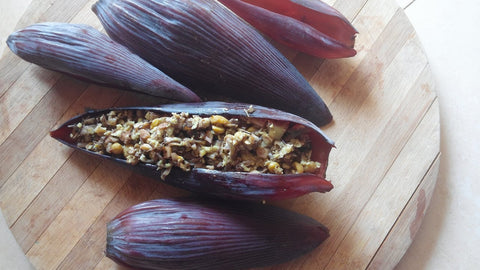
{"x": 384, "y": 167}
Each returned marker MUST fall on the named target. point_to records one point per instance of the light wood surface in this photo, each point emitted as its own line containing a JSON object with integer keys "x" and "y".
{"x": 57, "y": 201}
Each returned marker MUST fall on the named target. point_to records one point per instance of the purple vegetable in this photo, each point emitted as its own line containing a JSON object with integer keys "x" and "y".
{"x": 311, "y": 27}
{"x": 205, "y": 46}
{"x": 195, "y": 234}
{"x": 83, "y": 52}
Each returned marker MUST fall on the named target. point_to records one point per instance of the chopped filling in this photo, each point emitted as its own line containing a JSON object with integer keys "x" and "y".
{"x": 190, "y": 141}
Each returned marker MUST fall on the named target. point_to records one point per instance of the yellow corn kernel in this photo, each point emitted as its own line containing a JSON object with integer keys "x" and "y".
{"x": 116, "y": 148}
{"x": 311, "y": 166}
{"x": 99, "y": 130}
{"x": 146, "y": 147}
{"x": 274, "y": 167}
{"x": 177, "y": 158}
{"x": 298, "y": 167}
{"x": 277, "y": 130}
{"x": 218, "y": 130}
{"x": 155, "y": 122}
{"x": 218, "y": 120}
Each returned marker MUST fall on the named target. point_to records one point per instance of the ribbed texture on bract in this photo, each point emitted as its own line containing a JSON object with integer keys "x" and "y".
{"x": 82, "y": 51}
{"x": 291, "y": 27}
{"x": 189, "y": 234}
{"x": 205, "y": 46}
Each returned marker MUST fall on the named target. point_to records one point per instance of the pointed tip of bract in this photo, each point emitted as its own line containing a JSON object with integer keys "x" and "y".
{"x": 61, "y": 134}
{"x": 99, "y": 5}
{"x": 12, "y": 43}
{"x": 94, "y": 7}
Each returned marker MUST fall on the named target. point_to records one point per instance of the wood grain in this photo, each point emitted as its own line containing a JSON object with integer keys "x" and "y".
{"x": 57, "y": 201}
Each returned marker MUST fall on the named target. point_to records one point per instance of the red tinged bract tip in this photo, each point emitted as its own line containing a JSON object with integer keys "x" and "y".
{"x": 310, "y": 27}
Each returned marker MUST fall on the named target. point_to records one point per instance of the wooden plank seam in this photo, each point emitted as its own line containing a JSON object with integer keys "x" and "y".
{"x": 377, "y": 185}
{"x": 63, "y": 207}
{"x": 412, "y": 197}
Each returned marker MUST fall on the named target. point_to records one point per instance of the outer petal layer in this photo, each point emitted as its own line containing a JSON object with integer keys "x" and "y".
{"x": 83, "y": 52}
{"x": 205, "y": 46}
{"x": 316, "y": 14}
{"x": 198, "y": 234}
{"x": 292, "y": 32}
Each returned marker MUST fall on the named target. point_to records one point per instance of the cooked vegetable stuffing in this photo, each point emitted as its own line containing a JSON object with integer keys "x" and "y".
{"x": 190, "y": 141}
{"x": 227, "y": 150}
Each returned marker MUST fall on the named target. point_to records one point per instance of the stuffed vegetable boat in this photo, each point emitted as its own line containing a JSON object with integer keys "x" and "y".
{"x": 227, "y": 150}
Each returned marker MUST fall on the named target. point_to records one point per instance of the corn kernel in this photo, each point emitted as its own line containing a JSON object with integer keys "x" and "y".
{"x": 218, "y": 120}
{"x": 218, "y": 130}
{"x": 276, "y": 131}
{"x": 112, "y": 121}
{"x": 155, "y": 122}
{"x": 177, "y": 158}
{"x": 146, "y": 147}
{"x": 99, "y": 130}
{"x": 116, "y": 148}
{"x": 298, "y": 167}
{"x": 311, "y": 166}
{"x": 274, "y": 167}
